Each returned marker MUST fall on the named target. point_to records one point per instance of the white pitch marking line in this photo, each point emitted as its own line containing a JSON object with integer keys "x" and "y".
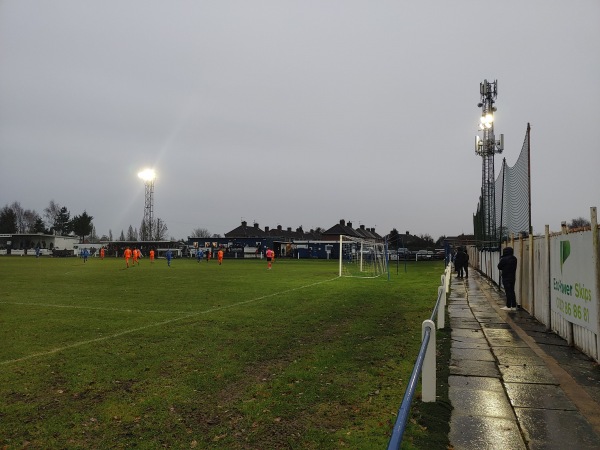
{"x": 165, "y": 322}
{"x": 94, "y": 308}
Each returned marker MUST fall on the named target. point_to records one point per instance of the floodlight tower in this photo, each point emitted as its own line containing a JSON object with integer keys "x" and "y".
{"x": 148, "y": 175}
{"x": 487, "y": 146}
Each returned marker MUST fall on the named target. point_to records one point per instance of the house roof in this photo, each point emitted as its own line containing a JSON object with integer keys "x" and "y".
{"x": 244, "y": 231}
{"x": 341, "y": 228}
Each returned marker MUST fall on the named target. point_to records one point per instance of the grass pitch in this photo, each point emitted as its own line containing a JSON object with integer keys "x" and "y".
{"x": 199, "y": 355}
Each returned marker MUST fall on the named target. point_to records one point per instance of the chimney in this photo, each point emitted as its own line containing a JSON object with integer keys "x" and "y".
{"x": 266, "y": 229}
{"x": 343, "y": 222}
{"x": 350, "y": 224}
{"x": 244, "y": 223}
{"x": 255, "y": 225}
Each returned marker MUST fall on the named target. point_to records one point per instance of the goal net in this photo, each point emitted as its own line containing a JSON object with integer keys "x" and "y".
{"x": 362, "y": 258}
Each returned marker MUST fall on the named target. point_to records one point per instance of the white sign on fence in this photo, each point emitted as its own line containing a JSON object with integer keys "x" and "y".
{"x": 572, "y": 283}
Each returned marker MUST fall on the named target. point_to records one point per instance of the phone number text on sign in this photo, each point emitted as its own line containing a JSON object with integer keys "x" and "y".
{"x": 573, "y": 310}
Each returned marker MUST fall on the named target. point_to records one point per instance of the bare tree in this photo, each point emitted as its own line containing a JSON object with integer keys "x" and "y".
{"x": 52, "y": 212}
{"x": 93, "y": 235}
{"x": 427, "y": 239}
{"x": 19, "y": 216}
{"x": 30, "y": 220}
{"x": 200, "y": 233}
{"x": 580, "y": 222}
{"x": 160, "y": 230}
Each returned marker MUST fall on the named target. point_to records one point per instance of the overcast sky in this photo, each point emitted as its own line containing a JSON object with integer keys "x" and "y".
{"x": 294, "y": 112}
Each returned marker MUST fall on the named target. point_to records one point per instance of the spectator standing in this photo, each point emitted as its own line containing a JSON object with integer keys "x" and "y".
{"x": 459, "y": 262}
{"x": 508, "y": 268}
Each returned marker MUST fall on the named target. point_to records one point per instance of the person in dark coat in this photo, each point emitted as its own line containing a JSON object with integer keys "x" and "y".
{"x": 460, "y": 260}
{"x": 508, "y": 268}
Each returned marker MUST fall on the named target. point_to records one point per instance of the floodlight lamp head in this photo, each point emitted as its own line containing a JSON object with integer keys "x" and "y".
{"x": 147, "y": 175}
{"x": 487, "y": 119}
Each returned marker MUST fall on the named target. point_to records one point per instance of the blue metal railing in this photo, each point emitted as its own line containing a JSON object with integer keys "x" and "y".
{"x": 428, "y": 328}
{"x": 400, "y": 425}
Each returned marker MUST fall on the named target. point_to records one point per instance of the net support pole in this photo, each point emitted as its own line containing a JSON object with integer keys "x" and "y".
{"x": 387, "y": 258}
{"x": 361, "y": 257}
{"x": 341, "y": 253}
{"x": 529, "y": 173}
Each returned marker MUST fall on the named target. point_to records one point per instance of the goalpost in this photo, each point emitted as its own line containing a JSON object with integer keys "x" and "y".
{"x": 362, "y": 258}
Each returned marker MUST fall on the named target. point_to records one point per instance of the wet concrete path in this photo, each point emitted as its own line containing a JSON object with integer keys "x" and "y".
{"x": 512, "y": 384}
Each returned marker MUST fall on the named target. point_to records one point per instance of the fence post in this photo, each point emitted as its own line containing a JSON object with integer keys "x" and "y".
{"x": 441, "y": 313}
{"x": 428, "y": 382}
{"x": 531, "y": 276}
{"x": 548, "y": 293}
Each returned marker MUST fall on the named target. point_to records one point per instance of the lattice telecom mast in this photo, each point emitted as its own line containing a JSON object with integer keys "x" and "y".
{"x": 486, "y": 147}
{"x": 148, "y": 176}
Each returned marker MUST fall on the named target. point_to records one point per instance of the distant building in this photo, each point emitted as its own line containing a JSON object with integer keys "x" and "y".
{"x": 26, "y": 243}
{"x": 247, "y": 241}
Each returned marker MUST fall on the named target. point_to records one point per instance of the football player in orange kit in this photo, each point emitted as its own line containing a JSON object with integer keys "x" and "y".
{"x": 127, "y": 256}
{"x": 270, "y": 254}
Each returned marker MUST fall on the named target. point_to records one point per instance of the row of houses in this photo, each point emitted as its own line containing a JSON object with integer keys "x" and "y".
{"x": 251, "y": 241}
